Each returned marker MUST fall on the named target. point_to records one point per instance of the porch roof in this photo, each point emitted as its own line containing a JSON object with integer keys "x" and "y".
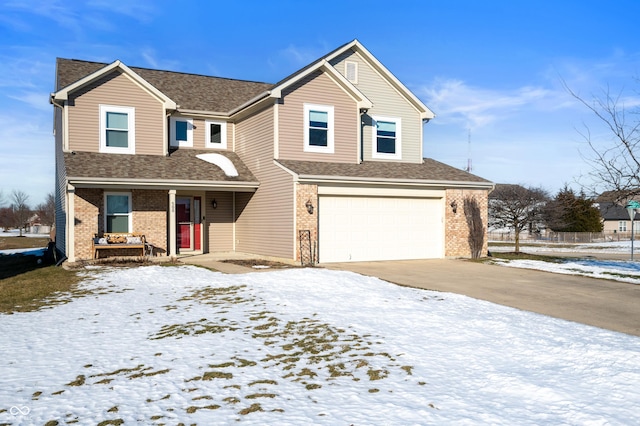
{"x": 429, "y": 172}
{"x": 181, "y": 168}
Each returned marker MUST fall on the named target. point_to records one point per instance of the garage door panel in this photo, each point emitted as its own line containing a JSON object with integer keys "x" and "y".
{"x": 380, "y": 228}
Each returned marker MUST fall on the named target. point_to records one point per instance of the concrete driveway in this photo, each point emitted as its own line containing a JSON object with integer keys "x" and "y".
{"x": 602, "y": 303}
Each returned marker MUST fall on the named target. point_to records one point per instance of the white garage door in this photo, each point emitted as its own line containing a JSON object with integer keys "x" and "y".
{"x": 379, "y": 228}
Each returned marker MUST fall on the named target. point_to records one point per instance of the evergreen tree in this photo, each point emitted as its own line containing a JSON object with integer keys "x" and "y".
{"x": 569, "y": 212}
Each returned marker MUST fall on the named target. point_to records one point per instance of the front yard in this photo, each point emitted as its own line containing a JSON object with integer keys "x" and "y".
{"x": 170, "y": 345}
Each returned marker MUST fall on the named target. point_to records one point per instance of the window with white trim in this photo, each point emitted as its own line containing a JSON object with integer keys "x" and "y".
{"x": 318, "y": 125}
{"x": 117, "y": 207}
{"x": 387, "y": 140}
{"x": 181, "y": 131}
{"x": 351, "y": 71}
{"x": 117, "y": 129}
{"x": 622, "y": 226}
{"x": 215, "y": 134}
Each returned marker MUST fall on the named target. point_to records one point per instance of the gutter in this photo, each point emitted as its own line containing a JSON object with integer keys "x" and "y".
{"x": 86, "y": 182}
{"x": 390, "y": 181}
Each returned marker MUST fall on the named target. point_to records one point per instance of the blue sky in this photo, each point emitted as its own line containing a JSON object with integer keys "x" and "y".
{"x": 492, "y": 69}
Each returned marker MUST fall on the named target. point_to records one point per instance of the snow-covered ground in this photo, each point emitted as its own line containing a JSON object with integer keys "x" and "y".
{"x": 306, "y": 346}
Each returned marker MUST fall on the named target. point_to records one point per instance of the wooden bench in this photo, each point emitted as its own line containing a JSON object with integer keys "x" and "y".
{"x": 111, "y": 241}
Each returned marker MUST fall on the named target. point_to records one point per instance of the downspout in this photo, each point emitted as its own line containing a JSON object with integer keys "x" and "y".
{"x": 363, "y": 112}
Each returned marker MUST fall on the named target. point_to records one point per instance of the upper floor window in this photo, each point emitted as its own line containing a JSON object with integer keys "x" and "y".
{"x": 117, "y": 206}
{"x": 117, "y": 129}
{"x": 387, "y": 141}
{"x": 181, "y": 131}
{"x": 318, "y": 124}
{"x": 216, "y": 134}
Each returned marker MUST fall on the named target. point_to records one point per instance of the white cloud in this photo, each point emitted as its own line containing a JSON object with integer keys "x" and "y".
{"x": 36, "y": 100}
{"x": 455, "y": 101}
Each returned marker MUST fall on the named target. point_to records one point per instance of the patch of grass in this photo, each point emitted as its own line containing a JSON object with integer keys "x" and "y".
{"x": 79, "y": 381}
{"x": 7, "y": 243}
{"x": 251, "y": 409}
{"x": 115, "y": 422}
{"x": 210, "y": 375}
{"x": 193, "y": 409}
{"x": 261, "y": 395}
{"x": 32, "y": 290}
{"x": 527, "y": 256}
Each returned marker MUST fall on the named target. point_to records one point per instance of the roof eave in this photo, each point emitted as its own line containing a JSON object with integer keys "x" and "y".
{"x": 393, "y": 181}
{"x": 91, "y": 182}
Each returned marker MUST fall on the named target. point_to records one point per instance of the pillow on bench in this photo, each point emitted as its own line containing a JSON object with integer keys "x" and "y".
{"x": 116, "y": 239}
{"x": 134, "y": 240}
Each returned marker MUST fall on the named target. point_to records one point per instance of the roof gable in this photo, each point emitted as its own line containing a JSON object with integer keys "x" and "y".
{"x": 189, "y": 92}
{"x": 356, "y": 46}
{"x": 63, "y": 94}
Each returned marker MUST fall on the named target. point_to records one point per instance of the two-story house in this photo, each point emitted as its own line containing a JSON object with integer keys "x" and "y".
{"x": 205, "y": 164}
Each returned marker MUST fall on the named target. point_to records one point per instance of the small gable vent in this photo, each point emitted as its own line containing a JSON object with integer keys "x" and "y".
{"x": 351, "y": 71}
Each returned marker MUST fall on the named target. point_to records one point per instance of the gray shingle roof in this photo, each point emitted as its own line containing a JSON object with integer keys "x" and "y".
{"x": 613, "y": 211}
{"x": 429, "y": 170}
{"x": 189, "y": 91}
{"x": 181, "y": 165}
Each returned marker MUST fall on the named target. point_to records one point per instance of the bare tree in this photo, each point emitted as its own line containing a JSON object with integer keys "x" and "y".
{"x": 615, "y": 167}
{"x": 21, "y": 209}
{"x": 516, "y": 207}
{"x": 477, "y": 230}
{"x": 46, "y": 211}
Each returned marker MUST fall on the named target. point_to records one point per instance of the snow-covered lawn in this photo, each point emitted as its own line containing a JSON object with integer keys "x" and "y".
{"x": 617, "y": 270}
{"x": 154, "y": 344}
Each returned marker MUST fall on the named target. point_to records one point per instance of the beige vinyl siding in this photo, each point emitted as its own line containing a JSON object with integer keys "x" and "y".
{"x": 219, "y": 221}
{"x": 115, "y": 89}
{"x": 318, "y": 89}
{"x": 264, "y": 219}
{"x": 387, "y": 102}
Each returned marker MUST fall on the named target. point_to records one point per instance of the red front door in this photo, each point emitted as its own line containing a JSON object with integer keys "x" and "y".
{"x": 184, "y": 222}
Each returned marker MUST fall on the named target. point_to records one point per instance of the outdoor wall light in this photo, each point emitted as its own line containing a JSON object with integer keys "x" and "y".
{"x": 309, "y": 206}
{"x": 214, "y": 204}
{"x": 454, "y": 206}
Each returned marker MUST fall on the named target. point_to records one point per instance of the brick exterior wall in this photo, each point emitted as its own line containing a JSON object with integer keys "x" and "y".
{"x": 89, "y": 203}
{"x": 456, "y": 227}
{"x": 304, "y": 220}
{"x": 149, "y": 218}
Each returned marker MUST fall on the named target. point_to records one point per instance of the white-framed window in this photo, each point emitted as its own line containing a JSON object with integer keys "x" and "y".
{"x": 181, "y": 131}
{"x": 318, "y": 128}
{"x": 351, "y": 71}
{"x": 215, "y": 134}
{"x": 117, "y": 208}
{"x": 117, "y": 129}
{"x": 386, "y": 138}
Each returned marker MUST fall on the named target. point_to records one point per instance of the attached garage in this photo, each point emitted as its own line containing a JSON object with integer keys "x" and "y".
{"x": 355, "y": 228}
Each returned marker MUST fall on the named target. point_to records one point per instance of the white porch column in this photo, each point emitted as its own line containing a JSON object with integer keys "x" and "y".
{"x": 172, "y": 224}
{"x": 71, "y": 224}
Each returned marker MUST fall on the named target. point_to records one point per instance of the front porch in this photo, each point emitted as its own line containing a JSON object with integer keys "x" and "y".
{"x": 175, "y": 222}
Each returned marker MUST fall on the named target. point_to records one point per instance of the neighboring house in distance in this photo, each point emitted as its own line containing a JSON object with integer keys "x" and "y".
{"x": 615, "y": 218}
{"x": 204, "y": 164}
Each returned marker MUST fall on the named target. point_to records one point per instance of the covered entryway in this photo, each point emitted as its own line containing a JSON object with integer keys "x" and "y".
{"x": 367, "y": 228}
